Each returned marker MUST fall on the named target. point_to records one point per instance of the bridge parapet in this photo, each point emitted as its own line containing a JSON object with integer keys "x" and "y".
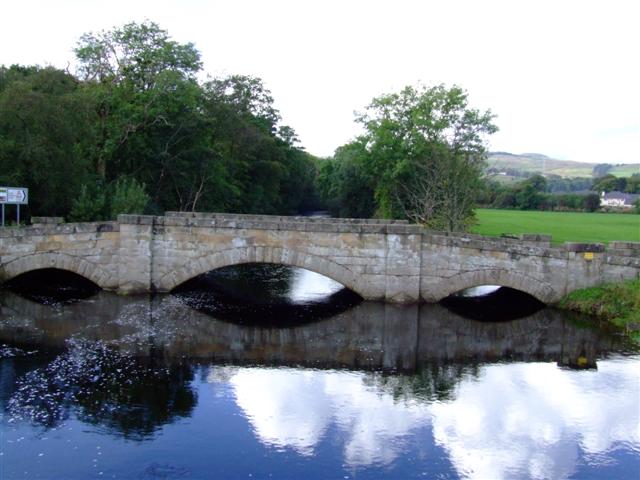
{"x": 284, "y": 218}
{"x": 273, "y": 223}
{"x": 57, "y": 228}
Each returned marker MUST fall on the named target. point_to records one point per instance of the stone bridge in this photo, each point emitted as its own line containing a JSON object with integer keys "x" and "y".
{"x": 380, "y": 260}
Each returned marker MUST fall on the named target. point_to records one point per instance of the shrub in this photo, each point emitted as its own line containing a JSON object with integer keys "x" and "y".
{"x": 128, "y": 196}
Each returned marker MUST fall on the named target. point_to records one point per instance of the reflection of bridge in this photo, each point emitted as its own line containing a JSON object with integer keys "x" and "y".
{"x": 379, "y": 260}
{"x": 370, "y": 336}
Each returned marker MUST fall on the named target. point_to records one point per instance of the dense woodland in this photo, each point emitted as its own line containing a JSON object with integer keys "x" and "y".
{"x": 133, "y": 129}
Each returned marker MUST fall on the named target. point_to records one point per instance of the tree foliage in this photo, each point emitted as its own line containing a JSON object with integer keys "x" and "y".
{"x": 135, "y": 124}
{"x": 345, "y": 184}
{"x": 421, "y": 157}
{"x": 45, "y": 136}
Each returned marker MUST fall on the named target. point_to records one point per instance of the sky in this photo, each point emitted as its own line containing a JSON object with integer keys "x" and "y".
{"x": 562, "y": 77}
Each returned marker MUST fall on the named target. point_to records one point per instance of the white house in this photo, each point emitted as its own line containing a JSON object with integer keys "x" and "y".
{"x": 618, "y": 199}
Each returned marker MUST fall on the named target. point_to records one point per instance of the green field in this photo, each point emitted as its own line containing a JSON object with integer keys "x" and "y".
{"x": 562, "y": 226}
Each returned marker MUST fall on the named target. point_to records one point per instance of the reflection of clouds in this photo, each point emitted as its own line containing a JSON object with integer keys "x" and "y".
{"x": 287, "y": 408}
{"x": 518, "y": 420}
{"x": 531, "y": 420}
{"x": 293, "y": 408}
{"x": 376, "y": 425}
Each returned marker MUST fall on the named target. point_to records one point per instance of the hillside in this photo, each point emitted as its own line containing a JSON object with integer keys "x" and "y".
{"x": 526, "y": 164}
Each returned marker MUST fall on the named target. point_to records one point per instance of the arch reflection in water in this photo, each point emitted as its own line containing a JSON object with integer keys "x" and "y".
{"x": 390, "y": 388}
{"x": 266, "y": 294}
{"x": 492, "y": 303}
{"x": 368, "y": 336}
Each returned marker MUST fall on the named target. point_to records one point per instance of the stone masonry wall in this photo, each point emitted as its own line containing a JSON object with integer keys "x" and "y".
{"x": 380, "y": 260}
{"x": 88, "y": 249}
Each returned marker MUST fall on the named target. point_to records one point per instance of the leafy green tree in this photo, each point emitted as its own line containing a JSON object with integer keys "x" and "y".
{"x": 90, "y": 204}
{"x": 633, "y": 184}
{"x": 267, "y": 172}
{"x": 609, "y": 183}
{"x": 136, "y": 111}
{"x": 133, "y": 74}
{"x": 344, "y": 184}
{"x": 591, "y": 202}
{"x": 529, "y": 194}
{"x": 426, "y": 153}
{"x": 128, "y": 196}
{"x": 45, "y": 136}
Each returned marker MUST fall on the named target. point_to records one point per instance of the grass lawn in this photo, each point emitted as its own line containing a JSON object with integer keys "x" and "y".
{"x": 562, "y": 226}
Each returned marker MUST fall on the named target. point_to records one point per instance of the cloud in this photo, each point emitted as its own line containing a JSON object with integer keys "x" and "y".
{"x": 555, "y": 73}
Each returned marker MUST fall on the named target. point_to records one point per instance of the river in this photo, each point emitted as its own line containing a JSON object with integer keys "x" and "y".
{"x": 296, "y": 378}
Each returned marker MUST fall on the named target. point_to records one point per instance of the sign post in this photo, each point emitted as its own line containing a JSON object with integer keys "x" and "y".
{"x": 13, "y": 196}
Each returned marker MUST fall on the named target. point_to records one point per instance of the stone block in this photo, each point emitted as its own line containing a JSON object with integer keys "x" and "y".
{"x": 632, "y": 247}
{"x": 535, "y": 237}
{"x": 41, "y": 221}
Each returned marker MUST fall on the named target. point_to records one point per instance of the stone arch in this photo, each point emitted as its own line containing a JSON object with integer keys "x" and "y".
{"x": 37, "y": 261}
{"x": 504, "y": 278}
{"x": 260, "y": 254}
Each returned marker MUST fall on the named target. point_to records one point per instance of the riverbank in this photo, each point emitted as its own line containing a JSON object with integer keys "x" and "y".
{"x": 617, "y": 303}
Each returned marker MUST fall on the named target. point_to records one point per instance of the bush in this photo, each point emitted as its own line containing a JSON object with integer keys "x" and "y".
{"x": 90, "y": 205}
{"x": 99, "y": 202}
{"x": 128, "y": 196}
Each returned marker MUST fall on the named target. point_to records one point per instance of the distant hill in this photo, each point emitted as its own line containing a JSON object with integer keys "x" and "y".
{"x": 527, "y": 164}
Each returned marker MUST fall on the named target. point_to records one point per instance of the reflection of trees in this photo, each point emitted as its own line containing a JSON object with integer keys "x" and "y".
{"x": 263, "y": 283}
{"x": 104, "y": 387}
{"x": 432, "y": 382}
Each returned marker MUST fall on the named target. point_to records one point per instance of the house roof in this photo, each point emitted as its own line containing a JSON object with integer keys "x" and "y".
{"x": 627, "y": 198}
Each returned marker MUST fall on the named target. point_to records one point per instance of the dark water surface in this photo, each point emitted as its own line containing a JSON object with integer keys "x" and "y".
{"x": 153, "y": 388}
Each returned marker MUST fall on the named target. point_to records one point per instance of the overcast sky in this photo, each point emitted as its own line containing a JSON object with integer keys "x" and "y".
{"x": 563, "y": 77}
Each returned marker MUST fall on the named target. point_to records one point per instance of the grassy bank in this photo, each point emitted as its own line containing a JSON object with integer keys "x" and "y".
{"x": 617, "y": 303}
{"x": 562, "y": 226}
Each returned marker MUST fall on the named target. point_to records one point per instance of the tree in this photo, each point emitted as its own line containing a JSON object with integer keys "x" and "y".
{"x": 267, "y": 172}
{"x": 345, "y": 186}
{"x": 633, "y": 183}
{"x": 529, "y": 194}
{"x": 426, "y": 153}
{"x": 136, "y": 111}
{"x": 45, "y": 136}
{"x": 609, "y": 183}
{"x": 591, "y": 202}
{"x": 134, "y": 73}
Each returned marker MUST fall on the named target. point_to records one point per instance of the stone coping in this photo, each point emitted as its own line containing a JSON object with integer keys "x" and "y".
{"x": 61, "y": 228}
{"x": 283, "y": 218}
